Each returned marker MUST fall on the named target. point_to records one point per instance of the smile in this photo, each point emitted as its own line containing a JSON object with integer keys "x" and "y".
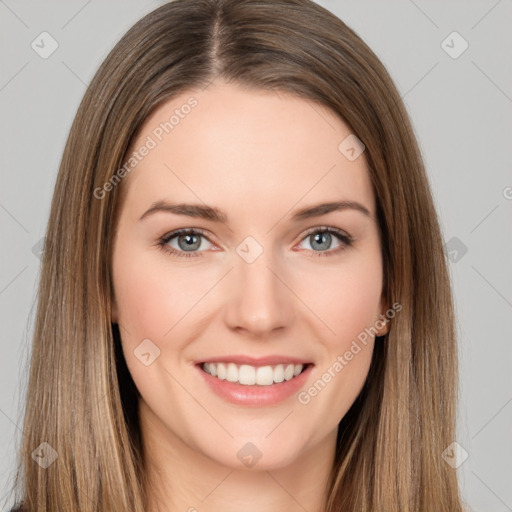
{"x": 248, "y": 375}
{"x": 255, "y": 386}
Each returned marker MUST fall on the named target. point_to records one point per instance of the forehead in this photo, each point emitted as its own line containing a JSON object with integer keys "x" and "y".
{"x": 247, "y": 149}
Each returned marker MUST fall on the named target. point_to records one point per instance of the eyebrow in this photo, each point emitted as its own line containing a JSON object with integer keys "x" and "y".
{"x": 216, "y": 215}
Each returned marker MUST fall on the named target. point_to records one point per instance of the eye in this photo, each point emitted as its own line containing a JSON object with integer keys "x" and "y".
{"x": 321, "y": 239}
{"x": 183, "y": 243}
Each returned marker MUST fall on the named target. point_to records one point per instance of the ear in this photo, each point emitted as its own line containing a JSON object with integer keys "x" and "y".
{"x": 382, "y": 323}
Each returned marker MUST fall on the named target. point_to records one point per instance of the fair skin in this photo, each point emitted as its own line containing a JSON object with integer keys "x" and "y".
{"x": 258, "y": 156}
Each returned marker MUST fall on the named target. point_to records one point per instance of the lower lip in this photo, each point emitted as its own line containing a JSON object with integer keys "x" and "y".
{"x": 255, "y": 395}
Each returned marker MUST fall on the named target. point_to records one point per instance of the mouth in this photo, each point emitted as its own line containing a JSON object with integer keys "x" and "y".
{"x": 256, "y": 384}
{"x": 252, "y": 375}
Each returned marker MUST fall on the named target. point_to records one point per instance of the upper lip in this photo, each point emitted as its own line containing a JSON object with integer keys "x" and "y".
{"x": 256, "y": 361}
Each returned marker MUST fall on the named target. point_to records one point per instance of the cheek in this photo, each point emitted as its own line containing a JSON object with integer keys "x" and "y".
{"x": 345, "y": 297}
{"x": 347, "y": 301}
{"x": 151, "y": 297}
{"x": 152, "y": 304}
{"x": 354, "y": 305}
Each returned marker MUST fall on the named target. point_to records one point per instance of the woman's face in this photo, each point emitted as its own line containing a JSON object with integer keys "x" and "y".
{"x": 254, "y": 281}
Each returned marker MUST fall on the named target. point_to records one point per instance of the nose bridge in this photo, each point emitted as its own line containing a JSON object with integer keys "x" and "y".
{"x": 259, "y": 302}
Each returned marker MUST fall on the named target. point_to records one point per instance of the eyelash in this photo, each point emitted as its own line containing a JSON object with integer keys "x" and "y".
{"x": 162, "y": 242}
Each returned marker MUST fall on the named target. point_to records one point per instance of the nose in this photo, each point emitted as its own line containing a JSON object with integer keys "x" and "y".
{"x": 259, "y": 298}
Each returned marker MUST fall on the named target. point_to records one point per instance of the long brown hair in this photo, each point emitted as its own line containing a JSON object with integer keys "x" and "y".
{"x": 81, "y": 399}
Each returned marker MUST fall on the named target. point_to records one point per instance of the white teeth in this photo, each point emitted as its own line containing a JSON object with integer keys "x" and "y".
{"x": 221, "y": 370}
{"x": 250, "y": 375}
{"x": 288, "y": 372}
{"x": 232, "y": 373}
{"x": 279, "y": 373}
{"x": 265, "y": 376}
{"x": 247, "y": 375}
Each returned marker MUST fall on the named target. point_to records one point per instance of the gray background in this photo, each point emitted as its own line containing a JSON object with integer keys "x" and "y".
{"x": 461, "y": 110}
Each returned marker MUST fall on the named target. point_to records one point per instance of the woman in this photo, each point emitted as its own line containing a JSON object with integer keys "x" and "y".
{"x": 244, "y": 300}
